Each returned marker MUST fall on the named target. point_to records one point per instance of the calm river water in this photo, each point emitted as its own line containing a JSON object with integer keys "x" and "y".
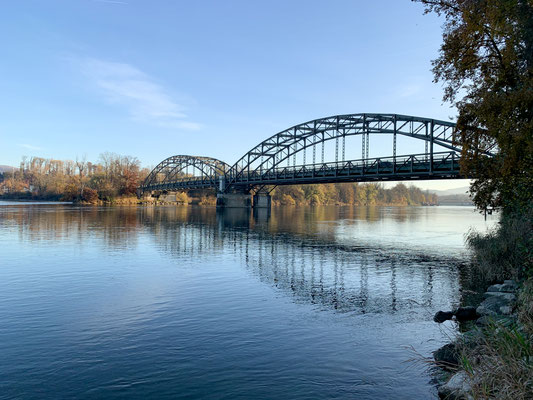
{"x": 185, "y": 302}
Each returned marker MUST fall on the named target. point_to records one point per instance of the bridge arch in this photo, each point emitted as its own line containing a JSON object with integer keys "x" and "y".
{"x": 270, "y": 153}
{"x": 171, "y": 170}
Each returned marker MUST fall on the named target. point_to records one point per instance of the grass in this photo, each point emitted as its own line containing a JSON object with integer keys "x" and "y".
{"x": 506, "y": 251}
{"x": 501, "y": 363}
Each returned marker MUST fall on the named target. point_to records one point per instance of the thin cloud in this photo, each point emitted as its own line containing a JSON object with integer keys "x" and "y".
{"x": 125, "y": 85}
{"x": 30, "y": 147}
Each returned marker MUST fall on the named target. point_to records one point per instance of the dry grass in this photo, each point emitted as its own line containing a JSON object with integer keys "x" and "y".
{"x": 525, "y": 306}
{"x": 501, "y": 365}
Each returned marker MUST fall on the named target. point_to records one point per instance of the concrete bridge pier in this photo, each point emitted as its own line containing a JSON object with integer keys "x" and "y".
{"x": 262, "y": 200}
{"x": 234, "y": 200}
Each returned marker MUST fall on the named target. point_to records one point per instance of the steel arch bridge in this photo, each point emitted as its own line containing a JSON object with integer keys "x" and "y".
{"x": 173, "y": 173}
{"x": 298, "y": 156}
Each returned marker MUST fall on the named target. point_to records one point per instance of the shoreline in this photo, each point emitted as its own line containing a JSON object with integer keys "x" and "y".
{"x": 483, "y": 322}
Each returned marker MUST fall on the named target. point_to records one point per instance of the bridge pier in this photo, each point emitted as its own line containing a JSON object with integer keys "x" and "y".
{"x": 234, "y": 200}
{"x": 262, "y": 200}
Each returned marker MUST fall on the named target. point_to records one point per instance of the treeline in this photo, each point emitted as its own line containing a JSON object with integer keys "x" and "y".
{"x": 116, "y": 177}
{"x": 112, "y": 177}
{"x": 352, "y": 193}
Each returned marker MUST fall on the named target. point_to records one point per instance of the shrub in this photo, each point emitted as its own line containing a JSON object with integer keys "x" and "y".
{"x": 287, "y": 200}
{"x": 90, "y": 196}
{"x": 182, "y": 198}
{"x": 506, "y": 251}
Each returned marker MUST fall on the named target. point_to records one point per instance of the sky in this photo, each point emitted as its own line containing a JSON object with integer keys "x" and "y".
{"x": 153, "y": 79}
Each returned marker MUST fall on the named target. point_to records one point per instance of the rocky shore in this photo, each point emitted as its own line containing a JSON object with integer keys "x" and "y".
{"x": 498, "y": 305}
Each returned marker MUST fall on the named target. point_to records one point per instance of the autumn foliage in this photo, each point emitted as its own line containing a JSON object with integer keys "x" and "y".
{"x": 112, "y": 177}
{"x": 352, "y": 193}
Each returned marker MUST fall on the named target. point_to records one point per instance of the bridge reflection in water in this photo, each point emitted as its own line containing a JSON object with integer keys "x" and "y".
{"x": 304, "y": 255}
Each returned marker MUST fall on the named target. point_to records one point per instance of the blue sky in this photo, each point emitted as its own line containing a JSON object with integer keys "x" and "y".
{"x": 157, "y": 78}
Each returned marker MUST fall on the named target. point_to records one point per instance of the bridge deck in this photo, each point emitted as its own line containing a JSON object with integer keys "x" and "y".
{"x": 443, "y": 165}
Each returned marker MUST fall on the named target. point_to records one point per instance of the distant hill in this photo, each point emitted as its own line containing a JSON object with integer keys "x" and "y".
{"x": 450, "y": 192}
{"x": 7, "y": 168}
{"x": 454, "y": 197}
{"x": 455, "y": 200}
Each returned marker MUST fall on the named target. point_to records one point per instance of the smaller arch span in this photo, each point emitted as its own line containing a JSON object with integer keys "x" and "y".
{"x": 171, "y": 171}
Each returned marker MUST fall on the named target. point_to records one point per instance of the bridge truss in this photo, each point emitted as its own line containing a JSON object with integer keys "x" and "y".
{"x": 316, "y": 152}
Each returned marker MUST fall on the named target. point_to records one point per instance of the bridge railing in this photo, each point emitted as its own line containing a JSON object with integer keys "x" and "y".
{"x": 441, "y": 161}
{"x": 423, "y": 164}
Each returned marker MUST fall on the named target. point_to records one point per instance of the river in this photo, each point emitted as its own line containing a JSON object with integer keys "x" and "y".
{"x": 189, "y": 303}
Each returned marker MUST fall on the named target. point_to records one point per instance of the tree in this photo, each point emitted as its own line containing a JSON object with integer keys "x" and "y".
{"x": 486, "y": 64}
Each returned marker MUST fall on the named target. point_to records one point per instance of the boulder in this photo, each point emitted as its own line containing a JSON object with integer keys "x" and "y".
{"x": 466, "y": 314}
{"x": 459, "y": 387}
{"x": 496, "y": 304}
{"x": 508, "y": 286}
{"x": 442, "y": 316}
{"x": 505, "y": 320}
{"x": 447, "y": 356}
{"x": 503, "y": 295}
{"x": 484, "y": 321}
{"x": 506, "y": 310}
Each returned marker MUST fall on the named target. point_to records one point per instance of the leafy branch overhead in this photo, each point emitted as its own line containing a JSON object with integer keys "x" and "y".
{"x": 486, "y": 65}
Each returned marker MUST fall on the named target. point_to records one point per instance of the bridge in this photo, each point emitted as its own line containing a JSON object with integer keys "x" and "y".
{"x": 320, "y": 151}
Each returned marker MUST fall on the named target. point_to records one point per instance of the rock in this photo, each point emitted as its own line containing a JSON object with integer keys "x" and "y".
{"x": 442, "y": 316}
{"x": 503, "y": 295}
{"x": 484, "y": 321}
{"x": 466, "y": 314}
{"x": 506, "y": 310}
{"x": 459, "y": 387}
{"x": 503, "y": 287}
{"x": 492, "y": 305}
{"x": 447, "y": 356}
{"x": 511, "y": 283}
{"x": 505, "y": 320}
{"x": 472, "y": 339}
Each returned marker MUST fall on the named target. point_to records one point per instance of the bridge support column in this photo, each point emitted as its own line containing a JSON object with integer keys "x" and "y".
{"x": 262, "y": 200}
{"x": 234, "y": 200}
{"x": 169, "y": 197}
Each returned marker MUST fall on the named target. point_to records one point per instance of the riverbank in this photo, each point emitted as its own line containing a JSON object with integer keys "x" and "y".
{"x": 493, "y": 356}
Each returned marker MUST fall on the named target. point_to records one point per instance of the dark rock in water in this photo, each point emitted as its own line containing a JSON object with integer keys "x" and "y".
{"x": 466, "y": 314}
{"x": 447, "y": 356}
{"x": 442, "y": 316}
